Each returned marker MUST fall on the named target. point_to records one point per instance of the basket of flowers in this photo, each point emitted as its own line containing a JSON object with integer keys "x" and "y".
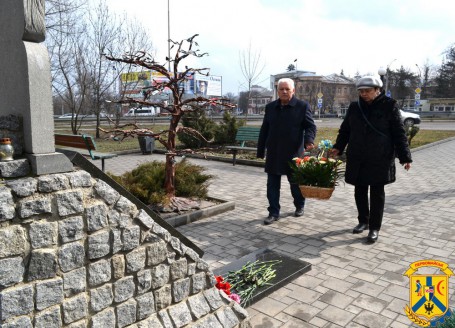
{"x": 317, "y": 175}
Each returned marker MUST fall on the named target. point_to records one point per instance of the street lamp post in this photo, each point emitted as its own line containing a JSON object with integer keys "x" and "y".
{"x": 418, "y": 90}
{"x": 384, "y": 73}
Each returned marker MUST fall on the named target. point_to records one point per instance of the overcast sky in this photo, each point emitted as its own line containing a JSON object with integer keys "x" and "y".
{"x": 325, "y": 36}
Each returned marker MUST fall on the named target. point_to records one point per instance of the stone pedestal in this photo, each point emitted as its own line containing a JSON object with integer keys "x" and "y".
{"x": 25, "y": 86}
{"x": 49, "y": 163}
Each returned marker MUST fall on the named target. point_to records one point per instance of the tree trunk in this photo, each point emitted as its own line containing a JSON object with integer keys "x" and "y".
{"x": 169, "y": 180}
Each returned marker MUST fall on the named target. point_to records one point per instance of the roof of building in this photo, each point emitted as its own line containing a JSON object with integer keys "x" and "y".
{"x": 336, "y": 78}
{"x": 332, "y": 78}
{"x": 295, "y": 73}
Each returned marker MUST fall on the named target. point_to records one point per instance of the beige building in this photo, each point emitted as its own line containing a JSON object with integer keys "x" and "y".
{"x": 258, "y": 99}
{"x": 333, "y": 93}
{"x": 446, "y": 105}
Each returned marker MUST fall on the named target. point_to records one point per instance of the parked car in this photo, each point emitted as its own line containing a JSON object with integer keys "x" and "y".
{"x": 144, "y": 111}
{"x": 67, "y": 115}
{"x": 409, "y": 119}
{"x": 93, "y": 115}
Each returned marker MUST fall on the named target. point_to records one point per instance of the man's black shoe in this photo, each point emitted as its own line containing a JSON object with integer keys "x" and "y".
{"x": 360, "y": 227}
{"x": 373, "y": 236}
{"x": 270, "y": 219}
{"x": 298, "y": 212}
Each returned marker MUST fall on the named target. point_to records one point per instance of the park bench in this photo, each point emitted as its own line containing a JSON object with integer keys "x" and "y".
{"x": 81, "y": 141}
{"x": 244, "y": 134}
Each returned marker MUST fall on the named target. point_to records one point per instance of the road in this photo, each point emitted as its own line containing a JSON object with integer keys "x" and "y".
{"x": 448, "y": 125}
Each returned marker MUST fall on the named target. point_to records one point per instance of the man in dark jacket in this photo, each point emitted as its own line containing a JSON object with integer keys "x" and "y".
{"x": 374, "y": 133}
{"x": 288, "y": 128}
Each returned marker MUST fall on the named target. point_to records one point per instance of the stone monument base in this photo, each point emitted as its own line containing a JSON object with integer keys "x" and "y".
{"x": 49, "y": 163}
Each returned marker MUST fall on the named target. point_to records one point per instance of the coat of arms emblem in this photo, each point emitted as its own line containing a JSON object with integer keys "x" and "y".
{"x": 428, "y": 293}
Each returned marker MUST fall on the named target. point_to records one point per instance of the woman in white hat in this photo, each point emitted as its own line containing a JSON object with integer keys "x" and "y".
{"x": 374, "y": 135}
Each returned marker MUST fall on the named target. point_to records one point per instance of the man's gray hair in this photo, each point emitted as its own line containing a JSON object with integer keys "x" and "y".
{"x": 288, "y": 81}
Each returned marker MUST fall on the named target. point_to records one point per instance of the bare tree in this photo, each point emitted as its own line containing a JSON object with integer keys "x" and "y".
{"x": 82, "y": 78}
{"x": 329, "y": 92}
{"x": 251, "y": 66}
{"x": 424, "y": 77}
{"x": 61, "y": 15}
{"x": 177, "y": 109}
{"x": 108, "y": 33}
{"x": 69, "y": 78}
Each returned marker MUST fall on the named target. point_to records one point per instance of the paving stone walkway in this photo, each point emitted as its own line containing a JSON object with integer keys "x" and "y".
{"x": 351, "y": 284}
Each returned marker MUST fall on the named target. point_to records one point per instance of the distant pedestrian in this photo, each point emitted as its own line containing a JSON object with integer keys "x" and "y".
{"x": 374, "y": 135}
{"x": 287, "y": 129}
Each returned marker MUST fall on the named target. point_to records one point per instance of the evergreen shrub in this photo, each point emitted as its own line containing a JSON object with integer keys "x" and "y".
{"x": 225, "y": 132}
{"x": 146, "y": 182}
{"x": 198, "y": 121}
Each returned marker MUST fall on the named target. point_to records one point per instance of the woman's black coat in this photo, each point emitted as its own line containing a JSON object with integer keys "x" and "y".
{"x": 370, "y": 154}
{"x": 283, "y": 133}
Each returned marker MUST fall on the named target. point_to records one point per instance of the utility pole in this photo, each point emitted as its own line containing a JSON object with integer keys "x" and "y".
{"x": 168, "y": 36}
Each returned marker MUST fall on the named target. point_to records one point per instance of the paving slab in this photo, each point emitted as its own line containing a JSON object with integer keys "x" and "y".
{"x": 418, "y": 224}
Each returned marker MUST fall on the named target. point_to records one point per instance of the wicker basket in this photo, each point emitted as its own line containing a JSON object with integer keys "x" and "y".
{"x": 316, "y": 192}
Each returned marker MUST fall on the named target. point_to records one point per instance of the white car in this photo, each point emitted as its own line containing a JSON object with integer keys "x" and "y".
{"x": 67, "y": 115}
{"x": 409, "y": 119}
{"x": 144, "y": 111}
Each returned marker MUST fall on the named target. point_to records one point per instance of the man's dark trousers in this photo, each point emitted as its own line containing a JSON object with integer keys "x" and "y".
{"x": 273, "y": 194}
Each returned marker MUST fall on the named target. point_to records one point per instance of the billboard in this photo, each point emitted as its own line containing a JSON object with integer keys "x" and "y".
{"x": 135, "y": 84}
{"x": 207, "y": 85}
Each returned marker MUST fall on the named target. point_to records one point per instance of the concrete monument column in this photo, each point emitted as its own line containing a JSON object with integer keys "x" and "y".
{"x": 25, "y": 82}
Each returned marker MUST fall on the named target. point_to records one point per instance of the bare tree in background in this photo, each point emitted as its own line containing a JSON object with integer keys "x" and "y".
{"x": 63, "y": 14}
{"x": 62, "y": 17}
{"x": 251, "y": 66}
{"x": 69, "y": 80}
{"x": 81, "y": 77}
{"x": 329, "y": 91}
{"x": 109, "y": 33}
{"x": 427, "y": 71}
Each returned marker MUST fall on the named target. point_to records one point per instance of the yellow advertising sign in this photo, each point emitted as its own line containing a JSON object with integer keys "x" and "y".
{"x": 135, "y": 76}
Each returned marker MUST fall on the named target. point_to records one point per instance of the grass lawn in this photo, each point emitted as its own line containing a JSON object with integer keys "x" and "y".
{"x": 423, "y": 137}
